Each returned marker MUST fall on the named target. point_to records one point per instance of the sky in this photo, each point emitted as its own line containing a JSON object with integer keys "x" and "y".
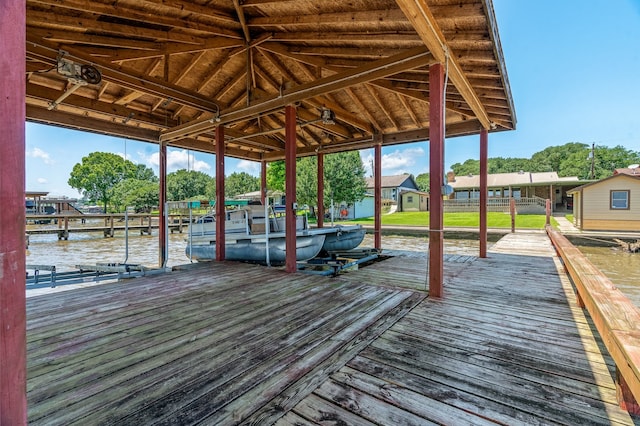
{"x": 572, "y": 65}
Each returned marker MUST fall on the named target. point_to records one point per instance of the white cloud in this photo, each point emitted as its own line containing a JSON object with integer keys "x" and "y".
{"x": 250, "y": 167}
{"x": 38, "y": 153}
{"x": 42, "y": 180}
{"x": 177, "y": 159}
{"x": 408, "y": 160}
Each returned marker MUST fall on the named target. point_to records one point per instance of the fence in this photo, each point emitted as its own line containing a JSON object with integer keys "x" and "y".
{"x": 528, "y": 205}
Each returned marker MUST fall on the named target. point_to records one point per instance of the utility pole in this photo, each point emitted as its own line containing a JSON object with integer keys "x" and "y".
{"x": 593, "y": 160}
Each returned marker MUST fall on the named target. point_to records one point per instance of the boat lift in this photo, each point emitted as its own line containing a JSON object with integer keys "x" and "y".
{"x": 337, "y": 262}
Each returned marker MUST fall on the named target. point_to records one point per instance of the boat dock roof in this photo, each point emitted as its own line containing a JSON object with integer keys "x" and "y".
{"x": 228, "y": 343}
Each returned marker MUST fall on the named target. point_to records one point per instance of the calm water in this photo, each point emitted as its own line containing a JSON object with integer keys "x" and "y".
{"x": 621, "y": 267}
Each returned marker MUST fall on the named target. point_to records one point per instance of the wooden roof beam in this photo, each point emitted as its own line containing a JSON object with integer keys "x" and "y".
{"x": 417, "y": 11}
{"x": 409, "y": 59}
{"x": 126, "y": 78}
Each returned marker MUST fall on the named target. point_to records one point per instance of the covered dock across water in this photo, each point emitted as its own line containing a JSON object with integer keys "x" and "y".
{"x": 254, "y": 79}
{"x": 231, "y": 343}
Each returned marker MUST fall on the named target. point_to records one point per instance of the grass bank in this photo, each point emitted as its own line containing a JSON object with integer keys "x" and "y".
{"x": 494, "y": 220}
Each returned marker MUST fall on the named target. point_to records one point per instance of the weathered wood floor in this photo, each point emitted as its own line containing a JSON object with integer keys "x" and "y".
{"x": 212, "y": 344}
{"x": 229, "y": 344}
{"x": 506, "y": 345}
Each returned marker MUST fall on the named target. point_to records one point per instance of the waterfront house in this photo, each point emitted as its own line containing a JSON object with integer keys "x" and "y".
{"x": 413, "y": 201}
{"x": 393, "y": 185}
{"x": 610, "y": 204}
{"x": 529, "y": 189}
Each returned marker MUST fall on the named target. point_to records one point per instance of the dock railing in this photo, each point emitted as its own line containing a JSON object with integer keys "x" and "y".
{"x": 616, "y": 318}
{"x": 524, "y": 205}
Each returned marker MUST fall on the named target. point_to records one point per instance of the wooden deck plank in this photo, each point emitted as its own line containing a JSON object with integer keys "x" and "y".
{"x": 228, "y": 343}
{"x": 506, "y": 344}
{"x": 134, "y": 355}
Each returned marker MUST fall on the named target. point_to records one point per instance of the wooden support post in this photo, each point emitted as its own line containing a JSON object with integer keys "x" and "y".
{"x": 626, "y": 400}
{"x": 320, "y": 174}
{"x": 484, "y": 191}
{"x": 377, "y": 196}
{"x": 13, "y": 347}
{"x": 436, "y": 160}
{"x": 512, "y": 212}
{"x": 162, "y": 201}
{"x": 220, "y": 208}
{"x": 548, "y": 212}
{"x": 263, "y": 183}
{"x": 290, "y": 188}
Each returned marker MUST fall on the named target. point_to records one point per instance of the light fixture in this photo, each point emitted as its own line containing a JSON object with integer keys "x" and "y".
{"x": 328, "y": 117}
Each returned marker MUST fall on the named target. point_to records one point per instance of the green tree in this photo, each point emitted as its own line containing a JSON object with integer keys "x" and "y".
{"x": 276, "y": 175}
{"x": 141, "y": 194}
{"x": 144, "y": 173}
{"x": 344, "y": 178}
{"x": 307, "y": 182}
{"x": 240, "y": 183}
{"x": 551, "y": 158}
{"x": 605, "y": 160}
{"x": 423, "y": 182}
{"x": 185, "y": 185}
{"x": 98, "y": 173}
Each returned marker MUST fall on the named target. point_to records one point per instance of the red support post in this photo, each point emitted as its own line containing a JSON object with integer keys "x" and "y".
{"x": 547, "y": 209}
{"x": 320, "y": 212}
{"x": 220, "y": 208}
{"x": 436, "y": 160}
{"x": 484, "y": 191}
{"x": 290, "y": 188}
{"x": 162, "y": 200}
{"x": 512, "y": 212}
{"x": 377, "y": 196}
{"x": 13, "y": 346}
{"x": 263, "y": 183}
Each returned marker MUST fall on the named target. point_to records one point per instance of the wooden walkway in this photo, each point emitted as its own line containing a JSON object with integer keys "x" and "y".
{"x": 228, "y": 344}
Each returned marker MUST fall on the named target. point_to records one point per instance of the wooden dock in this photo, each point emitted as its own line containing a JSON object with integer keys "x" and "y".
{"x": 227, "y": 343}
{"x": 108, "y": 224}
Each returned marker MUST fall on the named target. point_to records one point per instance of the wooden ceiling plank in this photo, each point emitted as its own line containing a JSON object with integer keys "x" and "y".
{"x": 360, "y": 106}
{"x": 133, "y": 14}
{"x": 188, "y": 68}
{"x": 417, "y": 11}
{"x": 62, "y": 22}
{"x": 412, "y": 58}
{"x": 128, "y": 78}
{"x": 174, "y": 49}
{"x": 85, "y": 104}
{"x": 87, "y": 124}
{"x": 381, "y": 106}
{"x": 409, "y": 109}
{"x": 339, "y": 18}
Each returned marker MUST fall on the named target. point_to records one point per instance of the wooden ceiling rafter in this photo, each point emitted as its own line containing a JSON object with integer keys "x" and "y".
{"x": 360, "y": 106}
{"x": 388, "y": 66}
{"x": 173, "y": 66}
{"x": 417, "y": 11}
{"x": 386, "y": 111}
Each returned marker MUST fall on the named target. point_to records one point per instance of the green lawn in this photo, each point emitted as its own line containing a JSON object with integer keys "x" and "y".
{"x": 494, "y": 220}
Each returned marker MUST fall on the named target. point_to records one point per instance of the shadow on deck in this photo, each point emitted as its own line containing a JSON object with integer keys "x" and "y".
{"x": 229, "y": 343}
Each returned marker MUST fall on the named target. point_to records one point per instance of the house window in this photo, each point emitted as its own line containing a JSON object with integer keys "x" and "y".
{"x": 409, "y": 198}
{"x": 619, "y": 200}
